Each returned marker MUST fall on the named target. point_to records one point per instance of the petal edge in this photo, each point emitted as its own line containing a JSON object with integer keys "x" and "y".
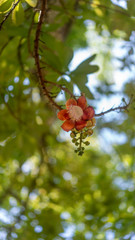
{"x": 70, "y": 102}
{"x": 68, "y": 125}
{"x": 81, "y": 102}
{"x": 88, "y": 113}
{"x": 80, "y": 124}
{"x": 63, "y": 115}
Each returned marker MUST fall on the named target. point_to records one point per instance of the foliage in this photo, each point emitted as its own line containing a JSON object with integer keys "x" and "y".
{"x": 47, "y": 191}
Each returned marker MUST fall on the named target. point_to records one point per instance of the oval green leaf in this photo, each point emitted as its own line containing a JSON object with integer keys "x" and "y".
{"x": 32, "y": 3}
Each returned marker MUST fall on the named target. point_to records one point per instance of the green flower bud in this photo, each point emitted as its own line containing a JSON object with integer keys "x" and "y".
{"x": 87, "y": 143}
{"x": 72, "y": 135}
{"x": 80, "y": 153}
{"x": 93, "y": 122}
{"x": 89, "y": 123}
{"x": 90, "y": 132}
{"x": 84, "y": 135}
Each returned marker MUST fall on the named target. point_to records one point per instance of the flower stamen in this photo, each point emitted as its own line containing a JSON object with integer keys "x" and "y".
{"x": 75, "y": 113}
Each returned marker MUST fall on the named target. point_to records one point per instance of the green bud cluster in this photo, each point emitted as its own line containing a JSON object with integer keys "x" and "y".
{"x": 79, "y": 137}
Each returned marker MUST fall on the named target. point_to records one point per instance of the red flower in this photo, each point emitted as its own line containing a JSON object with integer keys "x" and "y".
{"x": 76, "y": 115}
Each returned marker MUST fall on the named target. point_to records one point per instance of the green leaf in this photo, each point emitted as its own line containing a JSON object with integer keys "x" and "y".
{"x": 52, "y": 60}
{"x": 122, "y": 22}
{"x": 79, "y": 75}
{"x": 18, "y": 14}
{"x": 131, "y": 7}
{"x": 5, "y": 5}
{"x": 36, "y": 17}
{"x": 32, "y": 3}
{"x": 85, "y": 67}
{"x": 62, "y": 54}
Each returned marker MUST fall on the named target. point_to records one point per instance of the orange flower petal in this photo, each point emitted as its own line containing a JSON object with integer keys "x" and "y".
{"x": 63, "y": 115}
{"x": 80, "y": 124}
{"x": 88, "y": 113}
{"x": 70, "y": 102}
{"x": 81, "y": 102}
{"x": 68, "y": 125}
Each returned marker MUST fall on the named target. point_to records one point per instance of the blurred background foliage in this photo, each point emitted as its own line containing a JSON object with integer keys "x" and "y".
{"x": 46, "y": 190}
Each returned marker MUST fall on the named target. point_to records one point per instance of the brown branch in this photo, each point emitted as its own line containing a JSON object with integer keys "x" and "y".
{"x": 120, "y": 108}
{"x": 8, "y": 14}
{"x": 36, "y": 55}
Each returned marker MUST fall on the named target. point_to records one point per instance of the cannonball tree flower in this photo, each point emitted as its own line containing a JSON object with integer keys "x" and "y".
{"x": 76, "y": 115}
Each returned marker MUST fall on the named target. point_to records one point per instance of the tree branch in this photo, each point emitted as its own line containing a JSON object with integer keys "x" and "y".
{"x": 61, "y": 87}
{"x": 120, "y": 108}
{"x": 36, "y": 55}
{"x": 8, "y": 14}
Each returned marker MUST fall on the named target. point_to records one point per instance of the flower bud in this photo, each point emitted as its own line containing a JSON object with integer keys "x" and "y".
{"x": 93, "y": 122}
{"x": 84, "y": 135}
{"x": 72, "y": 135}
{"x": 87, "y": 143}
{"x": 90, "y": 132}
{"x": 89, "y": 123}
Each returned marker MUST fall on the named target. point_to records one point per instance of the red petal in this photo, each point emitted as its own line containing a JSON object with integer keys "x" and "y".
{"x": 80, "y": 124}
{"x": 88, "y": 113}
{"x": 68, "y": 125}
{"x": 70, "y": 102}
{"x": 81, "y": 102}
{"x": 63, "y": 115}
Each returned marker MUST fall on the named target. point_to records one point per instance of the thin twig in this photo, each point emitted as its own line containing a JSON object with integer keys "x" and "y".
{"x": 66, "y": 29}
{"x": 8, "y": 14}
{"x": 29, "y": 34}
{"x": 108, "y": 8}
{"x": 19, "y": 53}
{"x": 66, "y": 11}
{"x": 12, "y": 112}
{"x": 4, "y": 46}
{"x": 36, "y": 55}
{"x": 111, "y": 9}
{"x": 51, "y": 67}
{"x": 61, "y": 87}
{"x": 120, "y": 108}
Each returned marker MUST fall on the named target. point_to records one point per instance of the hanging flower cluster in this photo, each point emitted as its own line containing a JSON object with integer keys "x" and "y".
{"x": 76, "y": 115}
{"x": 78, "y": 118}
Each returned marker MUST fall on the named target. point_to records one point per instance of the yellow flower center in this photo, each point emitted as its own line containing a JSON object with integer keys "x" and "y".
{"x": 75, "y": 113}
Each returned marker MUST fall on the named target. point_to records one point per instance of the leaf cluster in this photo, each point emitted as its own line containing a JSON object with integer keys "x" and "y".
{"x": 46, "y": 189}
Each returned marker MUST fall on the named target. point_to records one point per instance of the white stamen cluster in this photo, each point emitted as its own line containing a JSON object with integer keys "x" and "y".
{"x": 75, "y": 112}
